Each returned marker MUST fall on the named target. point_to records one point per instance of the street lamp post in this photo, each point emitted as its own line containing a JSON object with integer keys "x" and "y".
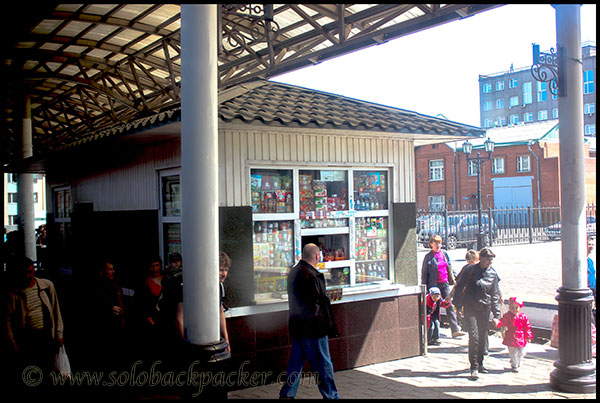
{"x": 467, "y": 149}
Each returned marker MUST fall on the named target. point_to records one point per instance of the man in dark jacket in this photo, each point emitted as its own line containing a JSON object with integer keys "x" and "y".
{"x": 310, "y": 323}
{"x": 482, "y": 293}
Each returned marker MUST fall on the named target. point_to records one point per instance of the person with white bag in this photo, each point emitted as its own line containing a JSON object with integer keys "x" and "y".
{"x": 34, "y": 326}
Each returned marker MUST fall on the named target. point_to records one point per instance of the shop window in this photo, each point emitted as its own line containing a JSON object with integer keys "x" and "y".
{"x": 370, "y": 190}
{"x": 171, "y": 196}
{"x": 271, "y": 191}
{"x": 170, "y": 207}
{"x": 371, "y": 249}
{"x": 273, "y": 243}
{"x": 322, "y": 192}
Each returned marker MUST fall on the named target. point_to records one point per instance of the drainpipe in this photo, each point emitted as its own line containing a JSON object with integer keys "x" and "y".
{"x": 454, "y": 173}
{"x": 537, "y": 165}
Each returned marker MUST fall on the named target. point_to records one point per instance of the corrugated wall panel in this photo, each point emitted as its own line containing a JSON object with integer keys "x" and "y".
{"x": 237, "y": 147}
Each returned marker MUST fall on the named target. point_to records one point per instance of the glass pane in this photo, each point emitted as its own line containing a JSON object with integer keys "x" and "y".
{"x": 171, "y": 196}
{"x": 67, "y": 201}
{"x": 371, "y": 249}
{"x": 172, "y": 238}
{"x": 273, "y": 255}
{"x": 322, "y": 192}
{"x": 60, "y": 204}
{"x": 370, "y": 190}
{"x": 324, "y": 223}
{"x": 271, "y": 191}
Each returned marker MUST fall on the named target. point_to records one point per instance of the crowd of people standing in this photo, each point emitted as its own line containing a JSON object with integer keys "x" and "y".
{"x": 107, "y": 331}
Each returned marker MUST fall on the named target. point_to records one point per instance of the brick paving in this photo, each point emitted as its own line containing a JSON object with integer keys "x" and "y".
{"x": 443, "y": 373}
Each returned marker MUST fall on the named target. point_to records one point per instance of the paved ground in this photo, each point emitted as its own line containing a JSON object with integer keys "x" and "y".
{"x": 441, "y": 374}
{"x": 532, "y": 272}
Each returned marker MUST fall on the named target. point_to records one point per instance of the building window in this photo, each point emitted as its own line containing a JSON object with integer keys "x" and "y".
{"x": 499, "y": 85}
{"x": 589, "y": 109}
{"x": 554, "y": 113}
{"x": 487, "y": 88}
{"x": 588, "y": 82}
{"x": 12, "y": 197}
{"x": 488, "y": 123}
{"x": 514, "y": 119}
{"x": 542, "y": 93}
{"x": 436, "y": 170}
{"x": 543, "y": 115}
{"x": 523, "y": 163}
{"x": 514, "y": 101}
{"x": 500, "y": 121}
{"x": 498, "y": 165}
{"x": 527, "y": 94}
{"x": 487, "y": 106}
{"x": 472, "y": 168}
{"x": 528, "y": 117}
{"x": 12, "y": 219}
{"x": 436, "y": 203}
{"x": 590, "y": 130}
{"x": 513, "y": 83}
{"x": 500, "y": 104}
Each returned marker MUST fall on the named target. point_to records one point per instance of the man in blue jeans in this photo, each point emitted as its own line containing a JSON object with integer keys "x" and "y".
{"x": 310, "y": 324}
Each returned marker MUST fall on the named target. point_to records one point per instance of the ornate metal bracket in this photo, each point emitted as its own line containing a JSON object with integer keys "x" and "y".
{"x": 245, "y": 23}
{"x": 550, "y": 67}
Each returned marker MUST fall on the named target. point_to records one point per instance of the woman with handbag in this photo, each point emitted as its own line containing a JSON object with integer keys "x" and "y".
{"x": 437, "y": 272}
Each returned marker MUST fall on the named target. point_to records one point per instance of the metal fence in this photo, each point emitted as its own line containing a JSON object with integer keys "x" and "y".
{"x": 509, "y": 225}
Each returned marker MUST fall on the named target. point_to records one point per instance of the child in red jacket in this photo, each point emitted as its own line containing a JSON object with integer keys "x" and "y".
{"x": 434, "y": 301}
{"x": 518, "y": 332}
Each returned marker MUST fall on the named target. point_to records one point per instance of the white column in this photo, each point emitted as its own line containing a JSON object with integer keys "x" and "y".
{"x": 25, "y": 205}
{"x": 572, "y": 165}
{"x": 199, "y": 173}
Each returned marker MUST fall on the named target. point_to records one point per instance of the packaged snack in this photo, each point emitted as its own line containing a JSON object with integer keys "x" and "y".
{"x": 255, "y": 183}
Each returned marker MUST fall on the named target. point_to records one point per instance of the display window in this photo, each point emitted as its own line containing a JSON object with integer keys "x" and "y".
{"x": 171, "y": 238}
{"x": 322, "y": 192}
{"x": 371, "y": 245}
{"x": 273, "y": 254}
{"x": 271, "y": 191}
{"x": 171, "y": 196}
{"x": 370, "y": 190}
{"x": 343, "y": 211}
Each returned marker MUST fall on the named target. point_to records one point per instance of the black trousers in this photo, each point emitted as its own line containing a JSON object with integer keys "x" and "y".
{"x": 477, "y": 322}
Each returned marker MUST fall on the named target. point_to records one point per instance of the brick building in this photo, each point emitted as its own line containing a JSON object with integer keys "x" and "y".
{"x": 524, "y": 164}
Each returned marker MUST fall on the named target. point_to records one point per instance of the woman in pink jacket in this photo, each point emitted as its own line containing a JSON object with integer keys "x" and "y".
{"x": 518, "y": 332}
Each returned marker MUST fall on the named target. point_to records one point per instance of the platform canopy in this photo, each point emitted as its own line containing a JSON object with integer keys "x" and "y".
{"x": 89, "y": 67}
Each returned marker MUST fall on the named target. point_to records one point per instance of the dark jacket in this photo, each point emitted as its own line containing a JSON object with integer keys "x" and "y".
{"x": 429, "y": 270}
{"x": 311, "y": 314}
{"x": 482, "y": 291}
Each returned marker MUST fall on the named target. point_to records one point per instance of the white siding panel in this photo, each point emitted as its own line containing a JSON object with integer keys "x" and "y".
{"x": 238, "y": 147}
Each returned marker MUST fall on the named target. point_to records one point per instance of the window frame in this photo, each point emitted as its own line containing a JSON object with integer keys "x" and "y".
{"x": 542, "y": 115}
{"x": 500, "y": 85}
{"x": 436, "y": 205}
{"x": 588, "y": 82}
{"x": 527, "y": 93}
{"x": 433, "y": 169}
{"x": 521, "y": 165}
{"x": 496, "y": 170}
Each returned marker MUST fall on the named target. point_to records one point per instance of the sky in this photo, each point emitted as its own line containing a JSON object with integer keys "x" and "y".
{"x": 436, "y": 71}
